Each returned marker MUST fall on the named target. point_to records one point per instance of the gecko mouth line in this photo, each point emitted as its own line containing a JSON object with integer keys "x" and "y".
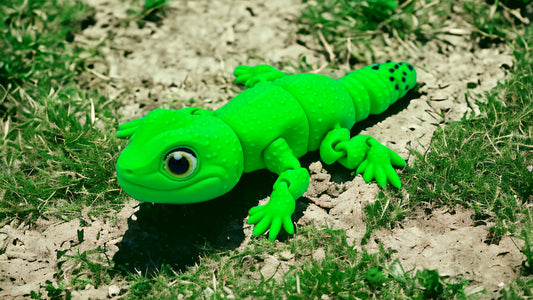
{"x": 151, "y": 188}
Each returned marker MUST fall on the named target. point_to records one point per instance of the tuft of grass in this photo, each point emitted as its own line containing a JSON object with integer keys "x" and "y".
{"x": 57, "y": 153}
{"x": 383, "y": 213}
{"x": 75, "y": 271}
{"x": 154, "y": 4}
{"x": 527, "y": 250}
{"x": 147, "y": 11}
{"x": 520, "y": 289}
{"x": 359, "y": 15}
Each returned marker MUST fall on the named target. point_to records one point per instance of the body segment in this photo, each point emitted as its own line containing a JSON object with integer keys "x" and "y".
{"x": 325, "y": 101}
{"x": 271, "y": 111}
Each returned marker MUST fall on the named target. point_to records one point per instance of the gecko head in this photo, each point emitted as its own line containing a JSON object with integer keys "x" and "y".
{"x": 179, "y": 157}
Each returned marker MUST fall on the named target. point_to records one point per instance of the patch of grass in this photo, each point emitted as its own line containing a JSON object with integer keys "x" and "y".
{"x": 527, "y": 250}
{"x": 520, "y": 289}
{"x": 35, "y": 40}
{"x": 347, "y": 29}
{"x": 75, "y": 271}
{"x": 342, "y": 273}
{"x": 57, "y": 154}
{"x": 82, "y": 268}
{"x": 495, "y": 22}
{"x": 484, "y": 163}
{"x": 359, "y": 15}
{"x": 385, "y": 212}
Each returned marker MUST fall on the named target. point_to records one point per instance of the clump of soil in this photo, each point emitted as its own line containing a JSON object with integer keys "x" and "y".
{"x": 31, "y": 253}
{"x": 451, "y": 243}
{"x": 186, "y": 58}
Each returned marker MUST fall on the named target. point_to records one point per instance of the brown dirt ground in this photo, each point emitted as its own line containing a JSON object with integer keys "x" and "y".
{"x": 190, "y": 54}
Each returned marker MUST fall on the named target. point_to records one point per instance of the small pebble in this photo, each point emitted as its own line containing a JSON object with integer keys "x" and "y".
{"x": 113, "y": 290}
{"x": 208, "y": 292}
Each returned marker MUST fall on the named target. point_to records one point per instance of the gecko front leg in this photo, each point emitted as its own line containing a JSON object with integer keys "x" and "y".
{"x": 251, "y": 76}
{"x": 291, "y": 184}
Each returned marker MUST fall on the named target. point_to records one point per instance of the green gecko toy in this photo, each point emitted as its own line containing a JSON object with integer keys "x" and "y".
{"x": 193, "y": 155}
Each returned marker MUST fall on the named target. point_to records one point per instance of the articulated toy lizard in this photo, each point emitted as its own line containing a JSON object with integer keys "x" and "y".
{"x": 193, "y": 155}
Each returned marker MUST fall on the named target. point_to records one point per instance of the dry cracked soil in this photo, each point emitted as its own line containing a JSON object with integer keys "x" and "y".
{"x": 190, "y": 53}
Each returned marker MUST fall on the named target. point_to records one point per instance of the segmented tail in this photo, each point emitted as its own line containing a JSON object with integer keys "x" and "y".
{"x": 376, "y": 87}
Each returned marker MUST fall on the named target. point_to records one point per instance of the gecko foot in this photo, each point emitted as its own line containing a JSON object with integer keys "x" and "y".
{"x": 364, "y": 154}
{"x": 379, "y": 163}
{"x": 274, "y": 215}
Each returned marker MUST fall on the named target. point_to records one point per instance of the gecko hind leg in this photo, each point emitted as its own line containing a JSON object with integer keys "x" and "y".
{"x": 250, "y": 76}
{"x": 362, "y": 153}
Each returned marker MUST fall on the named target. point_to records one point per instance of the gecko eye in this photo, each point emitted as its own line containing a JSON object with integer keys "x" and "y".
{"x": 180, "y": 162}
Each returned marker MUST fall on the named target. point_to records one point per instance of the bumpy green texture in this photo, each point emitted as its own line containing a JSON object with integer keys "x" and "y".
{"x": 193, "y": 155}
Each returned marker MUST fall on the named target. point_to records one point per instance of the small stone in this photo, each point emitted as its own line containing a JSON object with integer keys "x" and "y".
{"x": 286, "y": 255}
{"x": 229, "y": 293}
{"x": 76, "y": 295}
{"x": 270, "y": 267}
{"x": 3, "y": 241}
{"x": 319, "y": 254}
{"x": 208, "y": 292}
{"x": 315, "y": 167}
{"x": 113, "y": 290}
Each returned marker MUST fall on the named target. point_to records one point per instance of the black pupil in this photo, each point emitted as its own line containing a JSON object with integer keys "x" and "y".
{"x": 178, "y": 166}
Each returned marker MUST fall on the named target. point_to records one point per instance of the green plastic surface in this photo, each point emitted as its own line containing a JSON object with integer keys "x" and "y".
{"x": 192, "y": 155}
